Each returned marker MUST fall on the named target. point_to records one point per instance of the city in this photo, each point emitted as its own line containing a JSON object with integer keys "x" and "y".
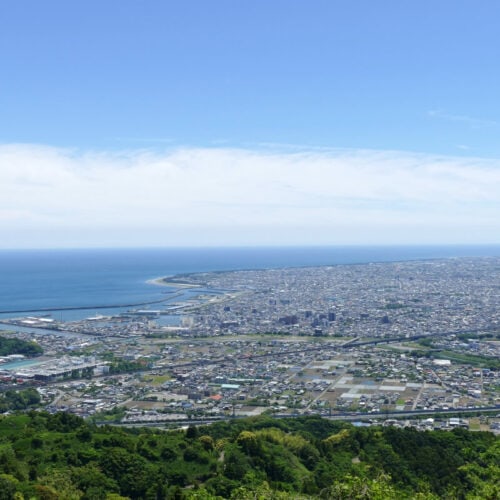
{"x": 370, "y": 341}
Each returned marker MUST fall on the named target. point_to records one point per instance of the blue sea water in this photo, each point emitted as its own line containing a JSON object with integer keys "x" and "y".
{"x": 52, "y": 279}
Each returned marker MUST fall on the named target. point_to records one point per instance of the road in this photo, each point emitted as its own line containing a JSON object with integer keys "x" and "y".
{"x": 347, "y": 417}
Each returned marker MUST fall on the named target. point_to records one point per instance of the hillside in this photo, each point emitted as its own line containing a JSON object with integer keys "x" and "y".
{"x": 63, "y": 457}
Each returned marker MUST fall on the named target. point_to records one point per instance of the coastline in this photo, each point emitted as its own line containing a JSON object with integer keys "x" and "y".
{"x": 169, "y": 281}
{"x": 57, "y": 280}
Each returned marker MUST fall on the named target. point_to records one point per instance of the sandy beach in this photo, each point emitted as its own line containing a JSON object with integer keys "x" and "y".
{"x": 164, "y": 281}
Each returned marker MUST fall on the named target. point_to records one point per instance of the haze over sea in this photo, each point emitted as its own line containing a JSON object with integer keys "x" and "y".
{"x": 52, "y": 279}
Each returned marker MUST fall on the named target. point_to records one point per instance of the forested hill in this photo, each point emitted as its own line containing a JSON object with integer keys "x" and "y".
{"x": 17, "y": 346}
{"x": 62, "y": 457}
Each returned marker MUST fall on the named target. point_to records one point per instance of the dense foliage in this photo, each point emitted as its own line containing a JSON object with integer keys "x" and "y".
{"x": 16, "y": 346}
{"x": 19, "y": 400}
{"x": 63, "y": 457}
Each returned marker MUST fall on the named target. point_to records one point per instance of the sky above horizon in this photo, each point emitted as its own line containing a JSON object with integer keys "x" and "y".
{"x": 282, "y": 122}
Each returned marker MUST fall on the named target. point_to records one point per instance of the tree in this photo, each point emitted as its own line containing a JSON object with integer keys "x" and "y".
{"x": 8, "y": 487}
{"x": 357, "y": 488}
{"x": 58, "y": 482}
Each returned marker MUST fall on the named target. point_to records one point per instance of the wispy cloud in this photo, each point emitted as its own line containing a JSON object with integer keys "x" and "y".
{"x": 221, "y": 195}
{"x": 145, "y": 140}
{"x": 467, "y": 120}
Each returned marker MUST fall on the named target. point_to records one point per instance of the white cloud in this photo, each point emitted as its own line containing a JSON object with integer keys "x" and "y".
{"x": 58, "y": 197}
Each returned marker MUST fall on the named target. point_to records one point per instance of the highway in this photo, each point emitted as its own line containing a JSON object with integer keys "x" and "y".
{"x": 346, "y": 417}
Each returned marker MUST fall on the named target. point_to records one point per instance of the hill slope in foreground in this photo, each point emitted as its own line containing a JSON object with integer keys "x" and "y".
{"x": 63, "y": 457}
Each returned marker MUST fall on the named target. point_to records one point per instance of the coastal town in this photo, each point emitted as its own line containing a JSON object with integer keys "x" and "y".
{"x": 381, "y": 342}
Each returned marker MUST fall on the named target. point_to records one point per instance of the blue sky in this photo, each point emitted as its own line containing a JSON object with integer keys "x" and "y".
{"x": 90, "y": 89}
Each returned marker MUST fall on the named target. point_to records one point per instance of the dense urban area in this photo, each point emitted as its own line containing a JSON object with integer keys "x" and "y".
{"x": 384, "y": 341}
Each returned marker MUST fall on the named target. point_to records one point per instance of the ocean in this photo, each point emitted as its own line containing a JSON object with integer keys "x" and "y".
{"x": 32, "y": 280}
